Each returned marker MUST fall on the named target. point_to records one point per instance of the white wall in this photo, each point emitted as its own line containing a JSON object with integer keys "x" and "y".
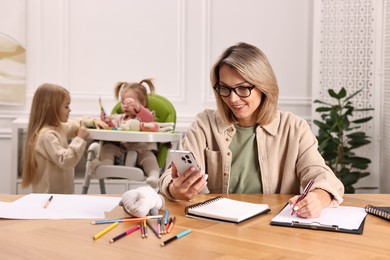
{"x": 89, "y": 45}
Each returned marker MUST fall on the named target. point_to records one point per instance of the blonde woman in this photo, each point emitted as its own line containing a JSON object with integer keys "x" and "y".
{"x": 247, "y": 145}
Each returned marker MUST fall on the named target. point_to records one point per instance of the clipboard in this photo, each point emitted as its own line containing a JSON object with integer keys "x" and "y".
{"x": 341, "y": 219}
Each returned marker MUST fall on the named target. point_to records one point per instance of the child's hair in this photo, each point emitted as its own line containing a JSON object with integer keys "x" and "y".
{"x": 45, "y": 108}
{"x": 138, "y": 88}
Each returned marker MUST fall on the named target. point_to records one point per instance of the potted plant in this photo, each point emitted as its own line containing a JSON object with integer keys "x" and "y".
{"x": 339, "y": 136}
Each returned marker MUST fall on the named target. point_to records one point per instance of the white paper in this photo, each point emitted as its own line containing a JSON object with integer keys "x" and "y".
{"x": 62, "y": 206}
{"x": 342, "y": 216}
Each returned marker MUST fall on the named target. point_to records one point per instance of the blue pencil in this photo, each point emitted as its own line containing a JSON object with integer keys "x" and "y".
{"x": 166, "y": 216}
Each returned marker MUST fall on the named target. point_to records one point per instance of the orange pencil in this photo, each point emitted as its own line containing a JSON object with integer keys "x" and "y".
{"x": 171, "y": 225}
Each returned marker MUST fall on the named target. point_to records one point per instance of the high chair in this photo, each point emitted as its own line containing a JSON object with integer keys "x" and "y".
{"x": 164, "y": 112}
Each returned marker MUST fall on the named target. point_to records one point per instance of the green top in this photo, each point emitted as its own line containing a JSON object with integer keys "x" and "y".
{"x": 245, "y": 172}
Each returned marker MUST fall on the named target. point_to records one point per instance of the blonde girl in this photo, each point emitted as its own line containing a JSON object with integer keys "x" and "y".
{"x": 49, "y": 159}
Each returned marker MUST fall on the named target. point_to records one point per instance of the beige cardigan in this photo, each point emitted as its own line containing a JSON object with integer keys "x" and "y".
{"x": 287, "y": 149}
{"x": 56, "y": 158}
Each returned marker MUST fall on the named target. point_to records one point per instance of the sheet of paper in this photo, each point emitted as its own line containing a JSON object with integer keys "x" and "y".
{"x": 342, "y": 216}
{"x": 62, "y": 206}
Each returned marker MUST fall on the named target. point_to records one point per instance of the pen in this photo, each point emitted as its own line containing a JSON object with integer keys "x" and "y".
{"x": 166, "y": 242}
{"x": 131, "y": 230}
{"x": 106, "y": 221}
{"x": 48, "y": 201}
{"x": 104, "y": 231}
{"x": 305, "y": 192}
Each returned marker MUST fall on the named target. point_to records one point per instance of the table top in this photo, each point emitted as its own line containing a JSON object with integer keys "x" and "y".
{"x": 133, "y": 136}
{"x": 252, "y": 239}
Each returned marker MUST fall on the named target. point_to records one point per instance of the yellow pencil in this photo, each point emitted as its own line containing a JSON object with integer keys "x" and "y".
{"x": 104, "y": 231}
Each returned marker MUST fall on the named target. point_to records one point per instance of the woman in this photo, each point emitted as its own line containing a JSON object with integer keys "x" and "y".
{"x": 247, "y": 145}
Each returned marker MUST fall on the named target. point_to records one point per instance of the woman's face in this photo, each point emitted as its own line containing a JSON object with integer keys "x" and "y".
{"x": 245, "y": 109}
{"x": 65, "y": 110}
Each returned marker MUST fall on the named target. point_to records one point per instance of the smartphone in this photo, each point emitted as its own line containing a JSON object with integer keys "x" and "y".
{"x": 183, "y": 160}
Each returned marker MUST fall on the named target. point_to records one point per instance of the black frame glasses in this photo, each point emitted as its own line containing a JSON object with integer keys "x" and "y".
{"x": 217, "y": 87}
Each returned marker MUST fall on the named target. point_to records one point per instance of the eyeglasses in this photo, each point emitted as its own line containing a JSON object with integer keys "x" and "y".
{"x": 240, "y": 91}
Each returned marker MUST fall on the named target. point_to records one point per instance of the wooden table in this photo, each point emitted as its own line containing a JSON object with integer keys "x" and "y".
{"x": 253, "y": 239}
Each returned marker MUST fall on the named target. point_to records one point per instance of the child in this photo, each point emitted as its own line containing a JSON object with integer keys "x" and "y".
{"x": 134, "y": 102}
{"x": 49, "y": 159}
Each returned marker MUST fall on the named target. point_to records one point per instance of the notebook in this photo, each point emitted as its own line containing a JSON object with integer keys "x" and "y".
{"x": 382, "y": 212}
{"x": 340, "y": 219}
{"x": 227, "y": 210}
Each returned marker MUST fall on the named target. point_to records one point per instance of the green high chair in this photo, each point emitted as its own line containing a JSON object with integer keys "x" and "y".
{"x": 164, "y": 112}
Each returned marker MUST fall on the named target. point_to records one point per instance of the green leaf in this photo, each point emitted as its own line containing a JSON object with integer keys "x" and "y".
{"x": 354, "y": 94}
{"x": 355, "y": 143}
{"x": 364, "y": 109}
{"x": 349, "y": 189}
{"x": 357, "y": 135}
{"x": 321, "y": 102}
{"x": 350, "y": 178}
{"x": 323, "y": 109}
{"x": 362, "y": 120}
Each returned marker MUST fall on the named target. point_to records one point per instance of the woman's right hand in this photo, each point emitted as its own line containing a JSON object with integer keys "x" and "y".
{"x": 185, "y": 186}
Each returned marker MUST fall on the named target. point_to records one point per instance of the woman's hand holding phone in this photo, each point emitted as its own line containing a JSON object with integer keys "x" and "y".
{"x": 186, "y": 185}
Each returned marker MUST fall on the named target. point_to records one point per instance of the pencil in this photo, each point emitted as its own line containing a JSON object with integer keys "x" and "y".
{"x": 153, "y": 229}
{"x": 171, "y": 225}
{"x": 145, "y": 228}
{"x": 107, "y": 221}
{"x": 142, "y": 229}
{"x": 159, "y": 226}
{"x": 104, "y": 231}
{"x": 48, "y": 202}
{"x": 166, "y": 216}
{"x": 131, "y": 230}
{"x": 182, "y": 234}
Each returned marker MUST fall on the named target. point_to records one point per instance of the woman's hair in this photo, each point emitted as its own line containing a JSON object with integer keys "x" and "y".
{"x": 252, "y": 64}
{"x": 138, "y": 88}
{"x": 45, "y": 110}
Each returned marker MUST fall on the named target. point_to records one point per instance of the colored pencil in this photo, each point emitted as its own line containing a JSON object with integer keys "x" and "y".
{"x": 104, "y": 231}
{"x": 106, "y": 221}
{"x": 166, "y": 242}
{"x": 153, "y": 229}
{"x": 131, "y": 230}
{"x": 48, "y": 202}
{"x": 171, "y": 225}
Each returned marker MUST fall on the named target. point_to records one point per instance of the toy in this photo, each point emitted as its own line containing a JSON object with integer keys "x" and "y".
{"x": 136, "y": 125}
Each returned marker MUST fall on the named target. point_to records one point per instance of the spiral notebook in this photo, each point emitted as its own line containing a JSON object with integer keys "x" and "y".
{"x": 227, "y": 210}
{"x": 382, "y": 212}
